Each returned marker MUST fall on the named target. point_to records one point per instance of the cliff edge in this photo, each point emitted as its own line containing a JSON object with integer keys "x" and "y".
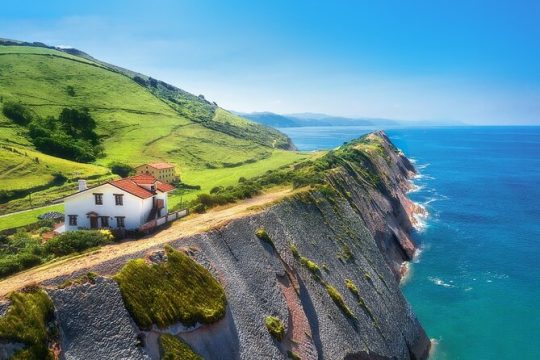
{"x": 315, "y": 276}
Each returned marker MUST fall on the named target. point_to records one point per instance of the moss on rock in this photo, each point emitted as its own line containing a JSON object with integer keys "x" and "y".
{"x": 173, "y": 348}
{"x": 275, "y": 327}
{"x": 178, "y": 290}
{"x": 26, "y": 321}
{"x": 263, "y": 235}
{"x": 338, "y": 300}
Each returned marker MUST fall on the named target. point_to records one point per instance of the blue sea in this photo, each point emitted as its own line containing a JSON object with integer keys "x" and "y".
{"x": 475, "y": 284}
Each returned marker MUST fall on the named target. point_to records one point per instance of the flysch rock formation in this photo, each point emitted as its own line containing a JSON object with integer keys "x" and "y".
{"x": 362, "y": 234}
{"x": 94, "y": 323}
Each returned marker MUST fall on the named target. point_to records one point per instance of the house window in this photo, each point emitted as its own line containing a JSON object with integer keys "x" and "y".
{"x": 99, "y": 199}
{"x": 72, "y": 220}
{"x": 119, "y": 199}
{"x": 104, "y": 221}
{"x": 120, "y": 221}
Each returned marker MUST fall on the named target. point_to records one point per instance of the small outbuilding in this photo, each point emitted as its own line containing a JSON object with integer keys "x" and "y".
{"x": 162, "y": 171}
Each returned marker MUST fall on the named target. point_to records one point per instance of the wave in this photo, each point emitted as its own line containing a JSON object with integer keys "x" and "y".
{"x": 415, "y": 188}
{"x": 439, "y": 282}
{"x": 420, "y": 218}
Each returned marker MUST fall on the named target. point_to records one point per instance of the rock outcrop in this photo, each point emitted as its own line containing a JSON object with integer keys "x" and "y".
{"x": 94, "y": 324}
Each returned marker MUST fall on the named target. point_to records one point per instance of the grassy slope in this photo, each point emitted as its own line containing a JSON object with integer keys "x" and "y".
{"x": 136, "y": 125}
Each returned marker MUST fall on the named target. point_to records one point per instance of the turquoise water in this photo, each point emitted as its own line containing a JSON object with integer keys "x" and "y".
{"x": 476, "y": 284}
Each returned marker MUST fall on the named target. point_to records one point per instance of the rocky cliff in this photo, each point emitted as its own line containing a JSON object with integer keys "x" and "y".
{"x": 326, "y": 262}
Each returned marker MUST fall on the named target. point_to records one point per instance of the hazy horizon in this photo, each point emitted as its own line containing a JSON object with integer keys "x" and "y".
{"x": 472, "y": 63}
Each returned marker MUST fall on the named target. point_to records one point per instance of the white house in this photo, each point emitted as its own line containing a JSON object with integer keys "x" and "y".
{"x": 126, "y": 203}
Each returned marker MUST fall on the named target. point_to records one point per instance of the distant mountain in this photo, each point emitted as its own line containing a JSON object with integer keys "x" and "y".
{"x": 313, "y": 119}
{"x": 316, "y": 119}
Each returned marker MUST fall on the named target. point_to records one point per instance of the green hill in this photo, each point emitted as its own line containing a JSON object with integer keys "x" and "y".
{"x": 139, "y": 119}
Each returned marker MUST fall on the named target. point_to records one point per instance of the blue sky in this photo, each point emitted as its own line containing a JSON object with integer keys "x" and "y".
{"x": 470, "y": 61}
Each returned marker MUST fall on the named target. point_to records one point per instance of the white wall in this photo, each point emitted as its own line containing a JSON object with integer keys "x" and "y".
{"x": 81, "y": 204}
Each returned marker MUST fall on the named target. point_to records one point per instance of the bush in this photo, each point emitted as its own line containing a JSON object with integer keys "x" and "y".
{"x": 263, "y": 235}
{"x": 352, "y": 287}
{"x": 178, "y": 290}
{"x": 139, "y": 80}
{"x": 310, "y": 265}
{"x": 76, "y": 241}
{"x": 17, "y": 112}
{"x": 294, "y": 250}
{"x": 199, "y": 208}
{"x": 70, "y": 90}
{"x": 275, "y": 327}
{"x": 121, "y": 169}
{"x": 59, "y": 178}
{"x": 12, "y": 264}
{"x": 336, "y": 296}
{"x": 173, "y": 348}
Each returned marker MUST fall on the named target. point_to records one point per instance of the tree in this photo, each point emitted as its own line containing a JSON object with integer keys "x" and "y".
{"x": 139, "y": 80}
{"x": 79, "y": 124}
{"x": 17, "y": 112}
{"x": 121, "y": 169}
{"x": 70, "y": 90}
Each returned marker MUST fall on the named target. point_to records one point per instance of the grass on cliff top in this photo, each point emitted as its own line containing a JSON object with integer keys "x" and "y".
{"x": 178, "y": 290}
{"x": 173, "y": 348}
{"x": 26, "y": 322}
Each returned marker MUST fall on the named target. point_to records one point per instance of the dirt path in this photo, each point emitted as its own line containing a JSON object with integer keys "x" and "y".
{"x": 189, "y": 226}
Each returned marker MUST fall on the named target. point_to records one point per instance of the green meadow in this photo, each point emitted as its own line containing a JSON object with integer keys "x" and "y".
{"x": 137, "y": 122}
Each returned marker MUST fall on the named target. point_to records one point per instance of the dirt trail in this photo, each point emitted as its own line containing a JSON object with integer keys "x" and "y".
{"x": 189, "y": 226}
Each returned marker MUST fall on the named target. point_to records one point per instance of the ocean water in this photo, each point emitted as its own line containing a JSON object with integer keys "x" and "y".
{"x": 475, "y": 284}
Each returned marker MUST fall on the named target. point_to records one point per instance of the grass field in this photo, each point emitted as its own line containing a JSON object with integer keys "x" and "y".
{"x": 137, "y": 124}
{"x": 26, "y": 217}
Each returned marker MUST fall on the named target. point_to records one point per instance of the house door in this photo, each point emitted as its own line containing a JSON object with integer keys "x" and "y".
{"x": 93, "y": 222}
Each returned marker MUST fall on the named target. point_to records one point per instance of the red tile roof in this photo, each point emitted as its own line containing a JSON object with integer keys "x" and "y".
{"x": 143, "y": 179}
{"x": 133, "y": 186}
{"x": 161, "y": 165}
{"x": 164, "y": 187}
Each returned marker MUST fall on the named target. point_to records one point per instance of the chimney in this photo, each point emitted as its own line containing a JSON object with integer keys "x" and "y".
{"x": 82, "y": 185}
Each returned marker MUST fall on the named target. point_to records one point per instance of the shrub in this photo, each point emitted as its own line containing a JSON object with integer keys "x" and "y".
{"x": 76, "y": 241}
{"x": 336, "y": 296}
{"x": 263, "y": 235}
{"x": 352, "y": 287}
{"x": 59, "y": 178}
{"x": 153, "y": 82}
{"x": 121, "y": 169}
{"x": 139, "y": 80}
{"x": 89, "y": 277}
{"x": 70, "y": 90}
{"x": 294, "y": 250}
{"x": 11, "y": 264}
{"x": 310, "y": 265}
{"x": 17, "y": 112}
{"x": 292, "y": 355}
{"x": 199, "y": 208}
{"x": 275, "y": 327}
{"x": 173, "y": 348}
{"x": 178, "y": 290}
{"x": 346, "y": 254}
{"x": 26, "y": 321}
